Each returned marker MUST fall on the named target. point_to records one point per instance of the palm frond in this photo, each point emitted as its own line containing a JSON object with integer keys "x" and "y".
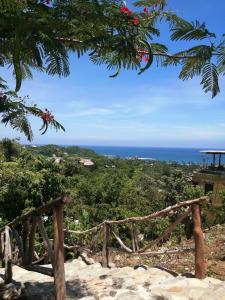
{"x": 210, "y": 80}
{"x": 190, "y": 31}
{"x": 58, "y": 64}
{"x": 140, "y": 3}
{"x": 221, "y": 58}
{"x": 191, "y": 67}
{"x": 194, "y": 60}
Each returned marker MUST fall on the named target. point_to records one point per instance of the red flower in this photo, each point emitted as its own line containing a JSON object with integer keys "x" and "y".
{"x": 125, "y": 10}
{"x": 135, "y": 21}
{"x": 47, "y": 115}
{"x": 145, "y": 10}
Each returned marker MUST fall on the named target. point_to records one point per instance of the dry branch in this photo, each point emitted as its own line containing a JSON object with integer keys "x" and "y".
{"x": 167, "y": 231}
{"x": 95, "y": 228}
{"x": 45, "y": 238}
{"x": 167, "y": 211}
{"x": 40, "y": 259}
{"x": 160, "y": 213}
{"x": 153, "y": 253}
{"x": 127, "y": 249}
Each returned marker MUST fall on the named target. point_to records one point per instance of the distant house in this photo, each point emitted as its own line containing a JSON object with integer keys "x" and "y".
{"x": 86, "y": 162}
{"x": 212, "y": 177}
{"x": 57, "y": 159}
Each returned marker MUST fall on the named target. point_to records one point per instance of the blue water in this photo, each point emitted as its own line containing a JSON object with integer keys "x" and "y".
{"x": 181, "y": 155}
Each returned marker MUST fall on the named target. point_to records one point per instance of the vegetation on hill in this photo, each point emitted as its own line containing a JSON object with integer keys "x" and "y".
{"x": 111, "y": 188}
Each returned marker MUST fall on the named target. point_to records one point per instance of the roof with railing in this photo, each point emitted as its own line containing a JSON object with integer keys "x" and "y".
{"x": 213, "y": 151}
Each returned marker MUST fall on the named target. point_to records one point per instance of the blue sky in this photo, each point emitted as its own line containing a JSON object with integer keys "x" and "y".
{"x": 154, "y": 109}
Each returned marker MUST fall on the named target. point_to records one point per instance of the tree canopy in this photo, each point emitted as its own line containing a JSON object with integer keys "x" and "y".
{"x": 42, "y": 34}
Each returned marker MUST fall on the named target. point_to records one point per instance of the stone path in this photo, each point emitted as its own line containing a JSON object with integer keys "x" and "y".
{"x": 92, "y": 282}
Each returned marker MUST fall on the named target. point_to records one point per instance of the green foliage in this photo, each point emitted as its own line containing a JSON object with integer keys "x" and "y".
{"x": 210, "y": 79}
{"x": 14, "y": 111}
{"x": 190, "y": 31}
{"x": 10, "y": 148}
{"x": 214, "y": 215}
{"x": 193, "y": 192}
{"x": 111, "y": 189}
{"x": 174, "y": 186}
{"x": 36, "y": 35}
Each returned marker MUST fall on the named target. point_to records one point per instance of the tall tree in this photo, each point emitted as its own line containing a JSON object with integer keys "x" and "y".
{"x": 41, "y": 34}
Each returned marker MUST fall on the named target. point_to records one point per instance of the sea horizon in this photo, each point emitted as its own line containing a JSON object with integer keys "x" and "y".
{"x": 167, "y": 154}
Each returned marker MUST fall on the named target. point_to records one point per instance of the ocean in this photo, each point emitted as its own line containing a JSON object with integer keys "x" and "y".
{"x": 180, "y": 155}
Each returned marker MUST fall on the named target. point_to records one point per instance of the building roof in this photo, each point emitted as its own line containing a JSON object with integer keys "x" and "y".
{"x": 213, "y": 151}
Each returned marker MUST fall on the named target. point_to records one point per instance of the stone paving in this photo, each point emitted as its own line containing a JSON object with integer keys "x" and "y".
{"x": 92, "y": 282}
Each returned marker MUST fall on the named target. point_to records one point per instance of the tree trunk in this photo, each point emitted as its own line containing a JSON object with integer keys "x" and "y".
{"x": 200, "y": 266}
{"x": 105, "y": 251}
{"x": 8, "y": 256}
{"x": 59, "y": 272}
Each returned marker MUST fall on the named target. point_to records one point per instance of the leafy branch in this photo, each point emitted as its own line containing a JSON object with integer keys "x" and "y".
{"x": 14, "y": 112}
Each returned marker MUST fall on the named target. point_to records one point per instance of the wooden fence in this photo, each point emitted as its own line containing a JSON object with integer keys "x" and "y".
{"x": 18, "y": 247}
{"x": 190, "y": 206}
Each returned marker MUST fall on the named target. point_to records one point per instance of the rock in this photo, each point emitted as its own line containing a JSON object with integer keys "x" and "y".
{"x": 144, "y": 267}
{"x": 112, "y": 265}
{"x": 187, "y": 288}
{"x": 86, "y": 259}
{"x": 9, "y": 292}
{"x": 128, "y": 295}
{"x": 92, "y": 282}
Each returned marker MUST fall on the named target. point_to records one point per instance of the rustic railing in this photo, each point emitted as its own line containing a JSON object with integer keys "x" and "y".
{"x": 18, "y": 247}
{"x": 192, "y": 206}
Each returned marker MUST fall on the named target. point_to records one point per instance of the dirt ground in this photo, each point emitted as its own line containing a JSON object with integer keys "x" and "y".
{"x": 181, "y": 262}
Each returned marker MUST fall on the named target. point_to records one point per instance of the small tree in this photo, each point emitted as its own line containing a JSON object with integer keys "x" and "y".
{"x": 10, "y": 148}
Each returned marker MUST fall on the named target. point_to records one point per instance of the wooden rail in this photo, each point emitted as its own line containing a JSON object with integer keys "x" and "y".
{"x": 192, "y": 206}
{"x": 30, "y": 221}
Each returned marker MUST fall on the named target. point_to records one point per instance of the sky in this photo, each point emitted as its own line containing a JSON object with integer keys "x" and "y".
{"x": 154, "y": 109}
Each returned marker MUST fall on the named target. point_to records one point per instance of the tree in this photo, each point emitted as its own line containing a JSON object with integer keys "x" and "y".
{"x": 41, "y": 34}
{"x": 10, "y": 148}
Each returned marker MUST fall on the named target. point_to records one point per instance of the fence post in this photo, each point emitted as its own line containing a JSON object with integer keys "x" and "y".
{"x": 59, "y": 271}
{"x": 31, "y": 240}
{"x": 200, "y": 266}
{"x": 45, "y": 239}
{"x": 132, "y": 237}
{"x": 25, "y": 234}
{"x": 8, "y": 256}
{"x": 105, "y": 250}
